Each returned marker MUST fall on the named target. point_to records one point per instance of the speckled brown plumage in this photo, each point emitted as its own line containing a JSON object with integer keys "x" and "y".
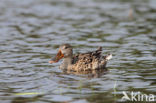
{"x": 83, "y": 61}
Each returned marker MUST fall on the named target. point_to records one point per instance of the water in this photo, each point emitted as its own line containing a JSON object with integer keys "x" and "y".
{"x": 31, "y": 31}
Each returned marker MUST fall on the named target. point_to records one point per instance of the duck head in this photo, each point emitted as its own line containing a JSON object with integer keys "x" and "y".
{"x": 65, "y": 51}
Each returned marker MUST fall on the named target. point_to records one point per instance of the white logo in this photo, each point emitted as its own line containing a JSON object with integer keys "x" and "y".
{"x": 138, "y": 96}
{"x": 125, "y": 97}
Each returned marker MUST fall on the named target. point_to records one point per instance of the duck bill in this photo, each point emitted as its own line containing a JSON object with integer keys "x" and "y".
{"x": 57, "y": 58}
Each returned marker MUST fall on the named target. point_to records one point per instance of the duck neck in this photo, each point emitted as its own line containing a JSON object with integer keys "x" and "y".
{"x": 67, "y": 61}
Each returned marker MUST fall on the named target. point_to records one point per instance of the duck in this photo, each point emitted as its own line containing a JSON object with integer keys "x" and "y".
{"x": 93, "y": 60}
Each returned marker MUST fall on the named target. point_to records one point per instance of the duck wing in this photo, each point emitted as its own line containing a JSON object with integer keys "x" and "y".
{"x": 87, "y": 57}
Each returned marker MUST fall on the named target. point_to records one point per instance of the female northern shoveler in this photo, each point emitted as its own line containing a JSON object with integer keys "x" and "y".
{"x": 80, "y": 62}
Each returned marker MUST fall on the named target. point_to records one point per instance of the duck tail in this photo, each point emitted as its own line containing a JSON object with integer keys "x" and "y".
{"x": 108, "y": 57}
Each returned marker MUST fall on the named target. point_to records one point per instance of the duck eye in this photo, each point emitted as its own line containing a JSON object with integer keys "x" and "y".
{"x": 65, "y": 47}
